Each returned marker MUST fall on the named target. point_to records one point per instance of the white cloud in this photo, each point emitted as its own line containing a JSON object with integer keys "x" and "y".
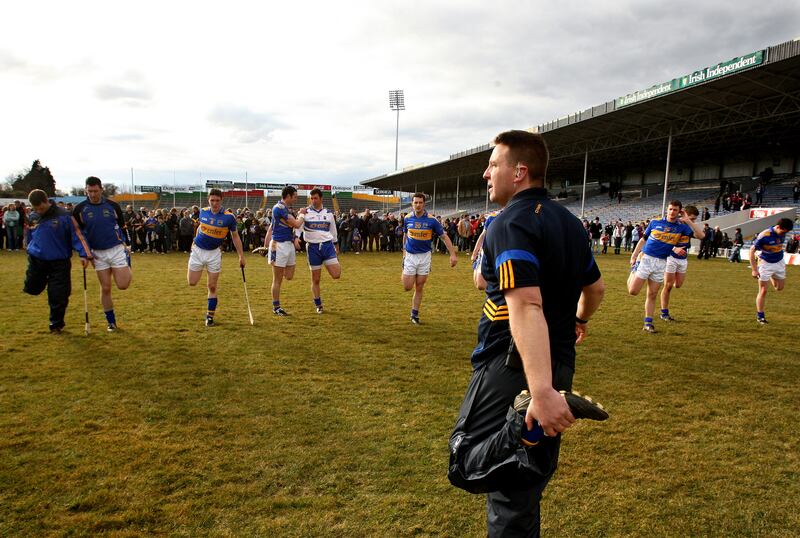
{"x": 300, "y": 90}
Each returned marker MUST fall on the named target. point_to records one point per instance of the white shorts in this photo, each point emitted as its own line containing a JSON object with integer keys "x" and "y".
{"x": 417, "y": 264}
{"x": 114, "y": 257}
{"x": 283, "y": 255}
{"x": 768, "y": 270}
{"x": 676, "y": 265}
{"x": 651, "y": 268}
{"x": 210, "y": 259}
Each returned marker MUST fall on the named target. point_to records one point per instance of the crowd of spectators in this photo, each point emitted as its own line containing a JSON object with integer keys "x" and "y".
{"x": 165, "y": 230}
{"x": 615, "y": 233}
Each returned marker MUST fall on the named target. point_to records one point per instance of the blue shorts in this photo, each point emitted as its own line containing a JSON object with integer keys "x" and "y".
{"x": 320, "y": 254}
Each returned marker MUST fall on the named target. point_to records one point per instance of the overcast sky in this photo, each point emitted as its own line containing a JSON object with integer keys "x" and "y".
{"x": 299, "y": 91}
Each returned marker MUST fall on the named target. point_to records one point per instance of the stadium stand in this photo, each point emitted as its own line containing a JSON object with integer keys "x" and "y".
{"x": 730, "y": 126}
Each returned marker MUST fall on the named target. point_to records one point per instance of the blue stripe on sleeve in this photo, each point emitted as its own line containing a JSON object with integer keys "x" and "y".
{"x": 516, "y": 254}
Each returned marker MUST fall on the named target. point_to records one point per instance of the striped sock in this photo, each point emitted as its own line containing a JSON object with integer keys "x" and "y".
{"x": 414, "y": 313}
{"x": 665, "y": 311}
{"x": 212, "y": 307}
{"x": 276, "y": 304}
{"x": 648, "y": 321}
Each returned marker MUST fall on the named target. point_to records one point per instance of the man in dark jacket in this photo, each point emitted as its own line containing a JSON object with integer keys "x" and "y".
{"x": 54, "y": 236}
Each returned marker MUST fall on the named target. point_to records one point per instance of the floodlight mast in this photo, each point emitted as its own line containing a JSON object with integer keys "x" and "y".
{"x": 396, "y": 102}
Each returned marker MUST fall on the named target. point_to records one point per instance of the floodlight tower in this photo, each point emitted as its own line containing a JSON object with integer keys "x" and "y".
{"x": 396, "y": 102}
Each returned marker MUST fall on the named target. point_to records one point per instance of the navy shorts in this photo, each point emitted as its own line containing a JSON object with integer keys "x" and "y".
{"x": 320, "y": 254}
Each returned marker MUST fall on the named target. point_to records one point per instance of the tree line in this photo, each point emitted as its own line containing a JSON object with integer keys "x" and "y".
{"x": 39, "y": 177}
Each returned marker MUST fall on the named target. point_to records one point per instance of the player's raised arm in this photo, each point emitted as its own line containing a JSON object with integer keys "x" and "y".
{"x": 697, "y": 230}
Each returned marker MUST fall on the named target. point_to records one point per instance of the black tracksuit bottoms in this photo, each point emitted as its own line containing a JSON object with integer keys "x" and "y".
{"x": 487, "y": 457}
{"x": 55, "y": 276}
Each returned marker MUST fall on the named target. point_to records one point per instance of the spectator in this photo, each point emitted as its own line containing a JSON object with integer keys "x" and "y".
{"x": 706, "y": 244}
{"x": 363, "y": 227}
{"x": 2, "y": 226}
{"x": 11, "y": 219}
{"x": 618, "y": 234}
{"x": 706, "y": 214}
{"x": 150, "y": 224}
{"x": 185, "y": 232}
{"x": 172, "y": 228}
{"x": 375, "y": 226}
{"x": 628, "y": 236}
{"x": 738, "y": 243}
{"x": 595, "y": 231}
{"x": 22, "y": 223}
{"x": 796, "y": 192}
{"x": 356, "y": 240}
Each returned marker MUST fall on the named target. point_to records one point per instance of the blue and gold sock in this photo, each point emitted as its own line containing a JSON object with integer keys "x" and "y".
{"x": 212, "y": 307}
{"x": 414, "y": 313}
{"x": 648, "y": 321}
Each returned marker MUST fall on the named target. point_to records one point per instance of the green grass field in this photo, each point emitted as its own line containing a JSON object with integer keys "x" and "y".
{"x": 337, "y": 425}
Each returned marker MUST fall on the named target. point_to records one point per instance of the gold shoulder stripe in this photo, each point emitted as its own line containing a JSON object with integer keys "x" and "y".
{"x": 510, "y": 271}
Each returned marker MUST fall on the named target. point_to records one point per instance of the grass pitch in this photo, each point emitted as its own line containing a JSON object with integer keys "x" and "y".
{"x": 337, "y": 425}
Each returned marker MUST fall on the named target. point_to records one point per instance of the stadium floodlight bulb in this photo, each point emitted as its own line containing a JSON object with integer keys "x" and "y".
{"x": 397, "y": 100}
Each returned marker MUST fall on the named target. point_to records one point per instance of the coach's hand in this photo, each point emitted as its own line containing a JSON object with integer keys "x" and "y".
{"x": 453, "y": 260}
{"x": 580, "y": 332}
{"x": 551, "y": 410}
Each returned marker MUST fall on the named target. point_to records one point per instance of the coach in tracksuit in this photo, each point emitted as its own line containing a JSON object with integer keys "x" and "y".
{"x": 55, "y": 234}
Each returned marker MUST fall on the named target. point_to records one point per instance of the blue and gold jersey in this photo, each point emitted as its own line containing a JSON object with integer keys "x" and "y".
{"x": 534, "y": 242}
{"x": 101, "y": 223}
{"x": 684, "y": 242}
{"x": 662, "y": 235}
{"x": 214, "y": 228}
{"x": 281, "y": 230}
{"x": 419, "y": 232}
{"x": 490, "y": 219}
{"x": 770, "y": 243}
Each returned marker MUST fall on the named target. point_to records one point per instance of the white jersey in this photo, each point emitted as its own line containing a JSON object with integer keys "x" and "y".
{"x": 319, "y": 226}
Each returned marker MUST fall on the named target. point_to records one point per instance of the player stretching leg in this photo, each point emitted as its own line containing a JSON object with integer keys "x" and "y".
{"x": 282, "y": 244}
{"x": 418, "y": 230}
{"x": 770, "y": 266}
{"x": 103, "y": 225}
{"x": 319, "y": 230}
{"x": 656, "y": 243}
{"x": 214, "y": 225}
{"x": 677, "y": 262}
